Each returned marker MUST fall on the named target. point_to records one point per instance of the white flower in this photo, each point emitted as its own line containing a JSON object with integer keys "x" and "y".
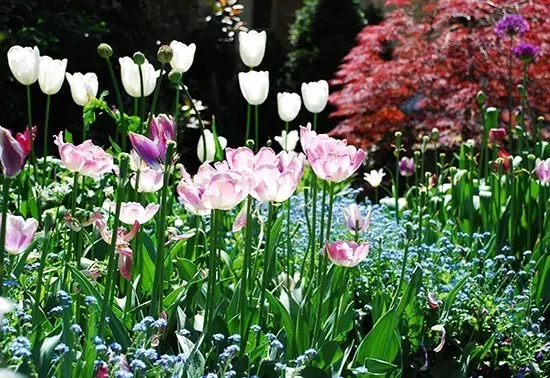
{"x": 51, "y": 74}
{"x": 254, "y": 86}
{"x": 374, "y": 178}
{"x": 83, "y": 87}
{"x": 24, "y": 62}
{"x": 210, "y": 146}
{"x": 440, "y": 328}
{"x": 315, "y": 95}
{"x": 6, "y": 305}
{"x": 252, "y": 47}
{"x": 288, "y": 105}
{"x": 129, "y": 72}
{"x": 183, "y": 56}
{"x": 390, "y": 202}
{"x": 7, "y": 373}
{"x": 288, "y": 141}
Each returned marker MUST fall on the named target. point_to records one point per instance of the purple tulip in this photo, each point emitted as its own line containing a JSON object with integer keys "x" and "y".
{"x": 347, "y": 253}
{"x": 123, "y": 239}
{"x": 355, "y": 221}
{"x": 152, "y": 149}
{"x": 12, "y": 153}
{"x": 543, "y": 171}
{"x": 406, "y": 166}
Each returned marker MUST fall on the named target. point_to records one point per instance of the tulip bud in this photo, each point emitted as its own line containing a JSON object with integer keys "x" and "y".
{"x": 250, "y": 143}
{"x": 268, "y": 143}
{"x": 252, "y": 47}
{"x": 175, "y": 76}
{"x": 104, "y": 50}
{"x": 409, "y": 230}
{"x": 24, "y": 63}
{"x": 139, "y": 58}
{"x": 481, "y": 98}
{"x": 540, "y": 119}
{"x": 254, "y": 86}
{"x": 398, "y": 136}
{"x": 165, "y": 54}
{"x": 182, "y": 56}
{"x": 315, "y": 95}
{"x": 521, "y": 90}
{"x": 416, "y": 154}
{"x": 435, "y": 133}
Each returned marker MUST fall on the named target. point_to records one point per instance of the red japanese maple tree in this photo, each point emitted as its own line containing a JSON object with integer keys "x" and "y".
{"x": 424, "y": 64}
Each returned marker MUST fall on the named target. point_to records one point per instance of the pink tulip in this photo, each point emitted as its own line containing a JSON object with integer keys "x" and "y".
{"x": 276, "y": 183}
{"x": 19, "y": 233}
{"x": 306, "y": 135}
{"x": 543, "y": 171}
{"x": 12, "y": 153}
{"x": 123, "y": 239}
{"x": 240, "y": 219}
{"x": 150, "y": 180}
{"x": 24, "y": 139}
{"x": 355, "y": 221}
{"x": 152, "y": 149}
{"x": 406, "y": 166}
{"x": 86, "y": 158}
{"x": 218, "y": 187}
{"x": 243, "y": 159}
{"x": 331, "y": 159}
{"x": 347, "y": 253}
{"x": 132, "y": 212}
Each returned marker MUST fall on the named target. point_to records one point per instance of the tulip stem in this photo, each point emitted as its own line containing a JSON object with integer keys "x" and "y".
{"x": 248, "y": 114}
{"x": 286, "y": 136}
{"x": 402, "y": 275}
{"x": 5, "y": 198}
{"x": 256, "y": 131}
{"x": 210, "y": 290}
{"x": 124, "y": 129}
{"x": 46, "y": 122}
{"x": 111, "y": 249}
{"x": 313, "y": 226}
{"x": 267, "y": 266}
{"x": 199, "y": 118}
{"x": 288, "y": 246}
{"x": 142, "y": 100}
{"x": 177, "y": 109}
{"x": 158, "y": 282}
{"x": 244, "y": 276}
{"x": 323, "y": 266}
{"x": 41, "y": 267}
{"x": 156, "y": 95}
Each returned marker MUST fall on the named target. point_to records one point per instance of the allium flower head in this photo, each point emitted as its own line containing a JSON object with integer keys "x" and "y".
{"x": 512, "y": 24}
{"x": 526, "y": 51}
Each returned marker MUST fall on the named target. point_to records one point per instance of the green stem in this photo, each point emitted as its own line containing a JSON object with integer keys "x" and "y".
{"x": 313, "y": 227}
{"x": 510, "y": 83}
{"x": 247, "y": 133}
{"x": 244, "y": 276}
{"x": 142, "y": 100}
{"x": 177, "y": 108}
{"x": 256, "y": 130}
{"x": 122, "y": 119}
{"x": 73, "y": 214}
{"x": 210, "y": 290}
{"x": 286, "y": 137}
{"x": 289, "y": 270}
{"x": 199, "y": 118}
{"x": 267, "y": 266}
{"x": 402, "y": 276}
{"x": 156, "y": 94}
{"x": 111, "y": 249}
{"x": 5, "y": 199}
{"x": 158, "y": 282}
{"x": 29, "y": 115}
{"x": 46, "y": 122}
{"x": 322, "y": 228}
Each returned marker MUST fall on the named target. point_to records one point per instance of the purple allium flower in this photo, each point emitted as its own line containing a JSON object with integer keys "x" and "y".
{"x": 526, "y": 51}
{"x": 511, "y": 24}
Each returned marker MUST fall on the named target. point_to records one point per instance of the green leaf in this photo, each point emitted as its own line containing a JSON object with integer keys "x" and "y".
{"x": 410, "y": 292}
{"x": 116, "y": 326}
{"x": 376, "y": 366}
{"x": 449, "y": 300}
{"x": 381, "y": 342}
{"x": 46, "y": 353}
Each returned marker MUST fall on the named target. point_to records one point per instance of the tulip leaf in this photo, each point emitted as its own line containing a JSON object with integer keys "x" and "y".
{"x": 382, "y": 342}
{"x": 449, "y": 300}
{"x": 219, "y": 150}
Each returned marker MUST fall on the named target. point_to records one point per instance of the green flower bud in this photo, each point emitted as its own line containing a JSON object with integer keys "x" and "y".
{"x": 104, "y": 50}
{"x": 250, "y": 143}
{"x": 481, "y": 98}
{"x": 175, "y": 76}
{"x": 165, "y": 54}
{"x": 139, "y": 58}
{"x": 435, "y": 133}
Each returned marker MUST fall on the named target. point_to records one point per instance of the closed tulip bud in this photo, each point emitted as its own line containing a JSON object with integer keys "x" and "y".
{"x": 252, "y": 47}
{"x": 183, "y": 56}
{"x": 24, "y": 63}
{"x": 51, "y": 74}
{"x": 139, "y": 58}
{"x": 315, "y": 95}
{"x": 288, "y": 105}
{"x": 175, "y": 76}
{"x": 210, "y": 146}
{"x": 435, "y": 133}
{"x": 83, "y": 87}
{"x": 165, "y": 54}
{"x": 254, "y": 86}
{"x": 481, "y": 98}
{"x": 104, "y": 50}
{"x": 129, "y": 72}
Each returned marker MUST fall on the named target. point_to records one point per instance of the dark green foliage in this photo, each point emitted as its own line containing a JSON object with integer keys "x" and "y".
{"x": 323, "y": 33}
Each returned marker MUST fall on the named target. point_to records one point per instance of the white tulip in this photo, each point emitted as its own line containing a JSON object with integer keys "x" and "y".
{"x": 254, "y": 86}
{"x": 252, "y": 47}
{"x": 183, "y": 56}
{"x": 315, "y": 95}
{"x": 51, "y": 74}
{"x": 288, "y": 105}
{"x": 7, "y": 373}
{"x": 288, "y": 141}
{"x": 83, "y": 87}
{"x": 6, "y": 305}
{"x": 210, "y": 146}
{"x": 24, "y": 62}
{"x": 374, "y": 178}
{"x": 129, "y": 72}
